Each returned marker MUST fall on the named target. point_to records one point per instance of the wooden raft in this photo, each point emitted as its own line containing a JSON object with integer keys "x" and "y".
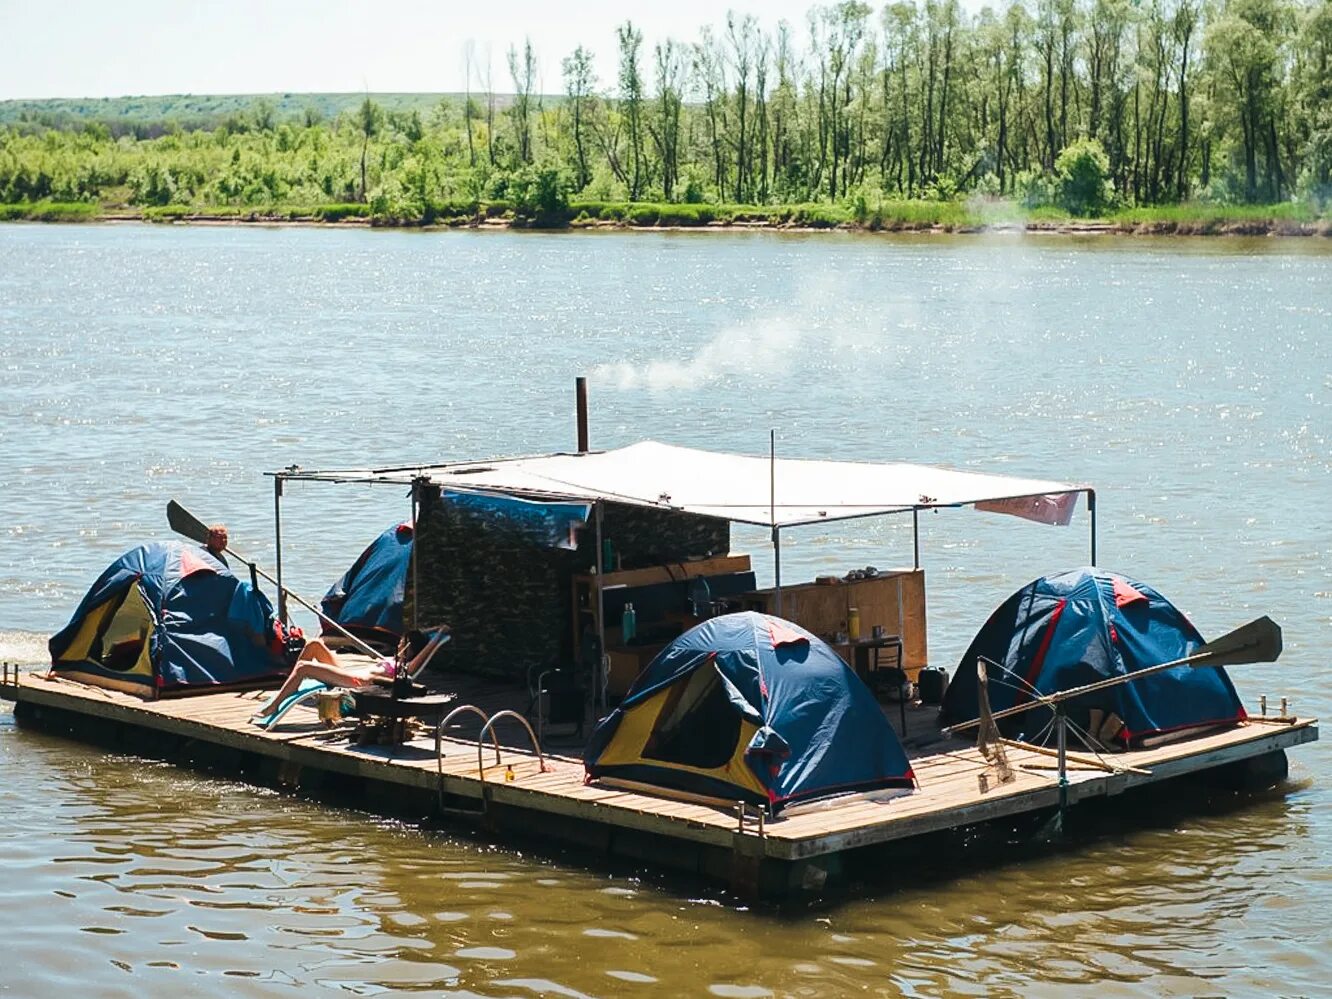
{"x": 950, "y": 794}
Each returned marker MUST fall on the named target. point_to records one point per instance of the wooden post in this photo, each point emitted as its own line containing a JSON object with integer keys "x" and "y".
{"x": 580, "y": 395}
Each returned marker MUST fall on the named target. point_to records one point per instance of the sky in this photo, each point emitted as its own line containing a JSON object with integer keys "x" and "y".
{"x": 75, "y": 48}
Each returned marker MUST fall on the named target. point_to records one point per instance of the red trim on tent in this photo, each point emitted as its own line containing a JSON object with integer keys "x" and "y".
{"x": 1128, "y": 735}
{"x": 839, "y": 788}
{"x": 782, "y": 633}
{"x": 192, "y": 562}
{"x": 1039, "y": 660}
{"x": 1126, "y": 593}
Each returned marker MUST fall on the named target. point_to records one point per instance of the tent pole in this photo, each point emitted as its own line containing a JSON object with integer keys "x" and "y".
{"x": 599, "y": 679}
{"x": 1091, "y": 509}
{"x": 277, "y": 540}
{"x": 772, "y": 518}
{"x": 915, "y": 536}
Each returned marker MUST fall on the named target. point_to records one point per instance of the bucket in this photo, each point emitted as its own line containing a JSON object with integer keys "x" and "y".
{"x": 932, "y": 683}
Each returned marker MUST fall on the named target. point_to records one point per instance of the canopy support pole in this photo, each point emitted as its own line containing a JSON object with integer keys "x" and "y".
{"x": 277, "y": 541}
{"x": 415, "y": 520}
{"x": 915, "y": 537}
{"x": 772, "y": 519}
{"x": 1091, "y": 510}
{"x": 599, "y": 680}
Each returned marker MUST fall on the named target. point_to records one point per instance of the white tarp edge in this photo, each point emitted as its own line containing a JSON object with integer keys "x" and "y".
{"x": 740, "y": 487}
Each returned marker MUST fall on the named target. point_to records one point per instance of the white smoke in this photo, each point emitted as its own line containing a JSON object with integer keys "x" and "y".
{"x": 763, "y": 347}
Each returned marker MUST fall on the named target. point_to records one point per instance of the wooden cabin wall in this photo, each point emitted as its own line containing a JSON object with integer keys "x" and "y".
{"x": 502, "y": 595}
{"x": 895, "y": 599}
{"x": 508, "y": 599}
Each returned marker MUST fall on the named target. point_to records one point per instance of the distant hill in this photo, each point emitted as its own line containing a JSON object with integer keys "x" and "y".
{"x": 150, "y": 114}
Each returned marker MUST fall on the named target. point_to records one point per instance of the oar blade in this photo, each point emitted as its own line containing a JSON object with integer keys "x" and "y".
{"x": 185, "y": 523}
{"x": 1259, "y": 641}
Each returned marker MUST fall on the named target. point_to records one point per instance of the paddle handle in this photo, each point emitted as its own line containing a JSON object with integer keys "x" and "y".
{"x": 1213, "y": 650}
{"x": 363, "y": 646}
{"x": 187, "y": 524}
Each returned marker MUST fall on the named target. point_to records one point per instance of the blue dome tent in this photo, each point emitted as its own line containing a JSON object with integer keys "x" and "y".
{"x": 368, "y": 599}
{"x": 168, "y": 618}
{"x": 748, "y": 707}
{"x": 1077, "y": 627}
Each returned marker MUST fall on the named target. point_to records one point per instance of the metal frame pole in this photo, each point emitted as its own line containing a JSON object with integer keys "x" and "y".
{"x": 599, "y": 696}
{"x": 416, "y": 551}
{"x": 915, "y": 537}
{"x": 772, "y": 518}
{"x": 1061, "y": 726}
{"x": 277, "y": 540}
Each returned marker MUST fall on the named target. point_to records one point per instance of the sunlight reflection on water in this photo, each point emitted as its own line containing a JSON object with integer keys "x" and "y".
{"x": 1187, "y": 380}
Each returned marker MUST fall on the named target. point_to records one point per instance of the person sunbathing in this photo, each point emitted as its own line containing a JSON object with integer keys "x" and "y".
{"x": 318, "y": 662}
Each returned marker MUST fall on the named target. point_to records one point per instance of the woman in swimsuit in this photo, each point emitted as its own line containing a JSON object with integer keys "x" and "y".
{"x": 318, "y": 662}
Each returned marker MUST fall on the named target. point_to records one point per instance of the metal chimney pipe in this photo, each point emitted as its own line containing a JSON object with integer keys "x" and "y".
{"x": 580, "y": 392}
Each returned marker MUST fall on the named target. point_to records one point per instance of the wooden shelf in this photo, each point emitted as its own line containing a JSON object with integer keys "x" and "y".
{"x": 673, "y": 572}
{"x": 624, "y": 658}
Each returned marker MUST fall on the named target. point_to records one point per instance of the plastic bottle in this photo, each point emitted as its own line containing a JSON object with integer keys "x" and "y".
{"x": 508, "y": 773}
{"x": 853, "y": 623}
{"x": 628, "y": 624}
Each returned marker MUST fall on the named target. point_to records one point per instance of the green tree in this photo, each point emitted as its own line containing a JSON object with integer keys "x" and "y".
{"x": 369, "y": 122}
{"x": 631, "y": 103}
{"x": 522, "y": 70}
{"x": 1244, "y": 50}
{"x": 1083, "y": 170}
{"x": 579, "y": 83}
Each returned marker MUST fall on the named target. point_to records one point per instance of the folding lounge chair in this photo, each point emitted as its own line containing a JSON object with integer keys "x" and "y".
{"x": 310, "y": 689}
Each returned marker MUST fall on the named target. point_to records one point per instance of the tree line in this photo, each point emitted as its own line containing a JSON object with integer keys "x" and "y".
{"x": 1133, "y": 102}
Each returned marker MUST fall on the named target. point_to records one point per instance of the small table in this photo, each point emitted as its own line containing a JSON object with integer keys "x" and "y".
{"x": 866, "y": 651}
{"x": 390, "y": 711}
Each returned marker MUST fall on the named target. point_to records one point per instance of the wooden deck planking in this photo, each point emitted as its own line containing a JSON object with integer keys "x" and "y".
{"x": 948, "y": 795}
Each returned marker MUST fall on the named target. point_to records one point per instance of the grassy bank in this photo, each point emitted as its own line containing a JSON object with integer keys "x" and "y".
{"x": 50, "y": 211}
{"x": 888, "y": 216}
{"x": 1205, "y": 220}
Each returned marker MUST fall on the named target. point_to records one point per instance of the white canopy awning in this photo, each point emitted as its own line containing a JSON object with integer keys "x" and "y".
{"x": 755, "y": 490}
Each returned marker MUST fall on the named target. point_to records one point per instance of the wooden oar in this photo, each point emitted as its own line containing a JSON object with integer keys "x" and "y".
{"x": 188, "y": 525}
{"x": 1259, "y": 641}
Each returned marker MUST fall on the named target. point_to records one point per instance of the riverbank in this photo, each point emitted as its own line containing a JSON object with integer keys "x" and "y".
{"x": 892, "y": 217}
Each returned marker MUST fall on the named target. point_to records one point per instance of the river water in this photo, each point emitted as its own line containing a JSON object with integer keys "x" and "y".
{"x": 1189, "y": 381}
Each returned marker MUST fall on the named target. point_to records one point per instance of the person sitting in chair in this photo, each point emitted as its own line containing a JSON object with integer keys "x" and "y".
{"x": 216, "y": 545}
{"x": 318, "y": 662}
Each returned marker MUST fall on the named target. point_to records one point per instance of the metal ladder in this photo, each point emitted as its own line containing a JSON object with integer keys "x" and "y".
{"x": 487, "y": 728}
